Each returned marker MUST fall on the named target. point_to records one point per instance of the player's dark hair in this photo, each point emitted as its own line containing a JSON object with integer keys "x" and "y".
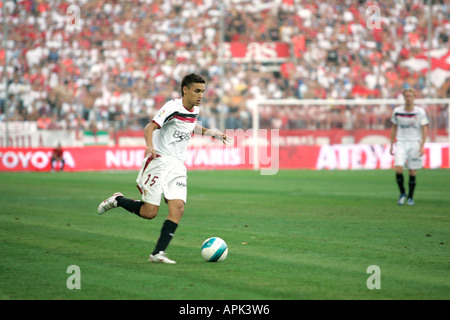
{"x": 409, "y": 90}
{"x": 190, "y": 79}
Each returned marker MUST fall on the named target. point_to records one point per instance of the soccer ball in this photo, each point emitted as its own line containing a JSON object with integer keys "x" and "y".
{"x": 214, "y": 249}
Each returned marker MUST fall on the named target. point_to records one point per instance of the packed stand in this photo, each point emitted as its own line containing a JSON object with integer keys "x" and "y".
{"x": 128, "y": 58}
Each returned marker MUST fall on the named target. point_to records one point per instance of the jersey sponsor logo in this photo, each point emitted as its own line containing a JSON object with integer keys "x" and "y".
{"x": 406, "y": 126}
{"x": 181, "y": 135}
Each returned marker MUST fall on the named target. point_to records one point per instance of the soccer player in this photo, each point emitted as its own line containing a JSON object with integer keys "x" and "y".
{"x": 410, "y": 129}
{"x": 57, "y": 156}
{"x": 163, "y": 171}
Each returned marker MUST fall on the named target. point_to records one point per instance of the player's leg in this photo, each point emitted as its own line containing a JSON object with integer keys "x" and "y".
{"x": 399, "y": 178}
{"x": 150, "y": 186}
{"x": 414, "y": 163}
{"x": 118, "y": 200}
{"x": 149, "y": 183}
{"x": 140, "y": 208}
{"x": 148, "y": 211}
{"x": 175, "y": 191}
{"x": 412, "y": 186}
{"x": 401, "y": 184}
{"x": 176, "y": 210}
{"x": 399, "y": 162}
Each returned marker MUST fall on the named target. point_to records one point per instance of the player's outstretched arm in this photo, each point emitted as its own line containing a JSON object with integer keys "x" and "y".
{"x": 216, "y": 134}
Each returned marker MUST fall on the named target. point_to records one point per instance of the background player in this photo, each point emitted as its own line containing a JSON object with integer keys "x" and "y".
{"x": 410, "y": 129}
{"x": 57, "y": 156}
{"x": 163, "y": 171}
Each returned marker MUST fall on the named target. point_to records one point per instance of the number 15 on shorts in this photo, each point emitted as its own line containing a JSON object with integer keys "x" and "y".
{"x": 153, "y": 181}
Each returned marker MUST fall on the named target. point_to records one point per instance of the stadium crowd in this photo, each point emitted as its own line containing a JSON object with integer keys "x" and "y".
{"x": 122, "y": 59}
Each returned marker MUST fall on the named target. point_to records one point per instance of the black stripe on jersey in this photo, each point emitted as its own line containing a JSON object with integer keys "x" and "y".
{"x": 185, "y": 115}
{"x": 406, "y": 114}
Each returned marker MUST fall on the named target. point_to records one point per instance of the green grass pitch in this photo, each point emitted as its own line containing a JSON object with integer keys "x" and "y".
{"x": 291, "y": 236}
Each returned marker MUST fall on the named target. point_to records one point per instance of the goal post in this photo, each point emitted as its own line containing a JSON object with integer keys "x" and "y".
{"x": 256, "y": 105}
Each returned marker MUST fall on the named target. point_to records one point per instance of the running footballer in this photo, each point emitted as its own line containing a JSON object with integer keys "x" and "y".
{"x": 163, "y": 172}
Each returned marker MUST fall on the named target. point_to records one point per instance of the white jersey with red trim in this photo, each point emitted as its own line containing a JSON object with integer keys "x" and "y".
{"x": 176, "y": 127}
{"x": 409, "y": 123}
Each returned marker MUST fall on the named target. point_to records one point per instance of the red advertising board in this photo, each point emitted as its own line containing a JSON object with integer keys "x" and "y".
{"x": 326, "y": 157}
{"x": 302, "y": 137}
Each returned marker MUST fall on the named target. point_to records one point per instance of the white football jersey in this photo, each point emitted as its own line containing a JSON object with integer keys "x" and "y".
{"x": 176, "y": 126}
{"x": 409, "y": 123}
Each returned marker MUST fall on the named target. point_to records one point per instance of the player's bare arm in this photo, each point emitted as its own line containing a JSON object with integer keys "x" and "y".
{"x": 216, "y": 134}
{"x": 424, "y": 138}
{"x": 393, "y": 135}
{"x": 148, "y": 134}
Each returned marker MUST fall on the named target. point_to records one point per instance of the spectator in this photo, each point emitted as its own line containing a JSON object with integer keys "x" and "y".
{"x": 43, "y": 122}
{"x": 127, "y": 53}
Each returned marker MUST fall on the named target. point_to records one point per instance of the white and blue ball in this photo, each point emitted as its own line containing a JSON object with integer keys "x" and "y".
{"x": 214, "y": 249}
